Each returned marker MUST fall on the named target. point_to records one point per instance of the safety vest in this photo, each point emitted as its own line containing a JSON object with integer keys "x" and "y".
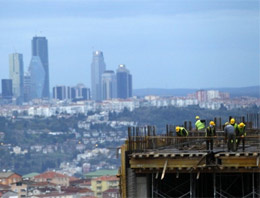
{"x": 210, "y": 131}
{"x": 235, "y": 126}
{"x": 183, "y": 131}
{"x": 199, "y": 125}
{"x": 241, "y": 130}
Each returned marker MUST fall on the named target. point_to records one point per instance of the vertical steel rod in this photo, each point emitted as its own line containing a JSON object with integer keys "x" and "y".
{"x": 253, "y": 184}
{"x": 214, "y": 183}
{"x": 191, "y": 190}
{"x": 152, "y": 185}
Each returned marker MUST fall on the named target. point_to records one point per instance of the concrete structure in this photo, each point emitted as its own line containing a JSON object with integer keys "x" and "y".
{"x": 98, "y": 66}
{"x": 37, "y": 78}
{"x": 7, "y": 88}
{"x": 164, "y": 166}
{"x": 16, "y": 75}
{"x": 124, "y": 82}
{"x": 40, "y": 48}
{"x": 109, "y": 89}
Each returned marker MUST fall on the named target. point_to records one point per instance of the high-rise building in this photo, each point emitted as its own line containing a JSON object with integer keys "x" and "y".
{"x": 124, "y": 82}
{"x": 60, "y": 92}
{"x": 27, "y": 87}
{"x": 80, "y": 92}
{"x": 40, "y": 48}
{"x": 37, "y": 77}
{"x": 16, "y": 75}
{"x": 98, "y": 66}
{"x": 7, "y": 88}
{"x": 108, "y": 85}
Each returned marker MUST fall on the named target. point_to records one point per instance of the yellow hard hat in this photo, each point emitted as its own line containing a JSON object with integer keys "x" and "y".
{"x": 212, "y": 123}
{"x": 241, "y": 125}
{"x": 197, "y": 117}
{"x": 177, "y": 129}
{"x": 232, "y": 121}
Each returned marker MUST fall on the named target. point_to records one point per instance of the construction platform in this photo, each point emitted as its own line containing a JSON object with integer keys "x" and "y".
{"x": 168, "y": 166}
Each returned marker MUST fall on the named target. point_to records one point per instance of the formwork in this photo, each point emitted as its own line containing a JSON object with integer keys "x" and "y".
{"x": 164, "y": 165}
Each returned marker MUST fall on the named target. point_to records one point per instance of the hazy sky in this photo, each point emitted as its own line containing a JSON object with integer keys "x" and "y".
{"x": 164, "y": 43}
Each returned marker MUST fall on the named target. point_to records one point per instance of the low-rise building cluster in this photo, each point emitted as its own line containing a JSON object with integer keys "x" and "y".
{"x": 53, "y": 184}
{"x": 209, "y": 99}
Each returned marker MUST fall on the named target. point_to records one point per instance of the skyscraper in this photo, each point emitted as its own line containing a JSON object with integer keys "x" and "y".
{"x": 124, "y": 82}
{"x": 37, "y": 77}
{"x": 16, "y": 75}
{"x": 98, "y": 66}
{"x": 40, "y": 48}
{"x": 7, "y": 87}
{"x": 108, "y": 85}
{"x": 27, "y": 87}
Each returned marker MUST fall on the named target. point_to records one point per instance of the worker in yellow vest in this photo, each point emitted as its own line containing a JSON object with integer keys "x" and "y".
{"x": 181, "y": 132}
{"x": 240, "y": 134}
{"x": 200, "y": 126}
{"x": 210, "y": 132}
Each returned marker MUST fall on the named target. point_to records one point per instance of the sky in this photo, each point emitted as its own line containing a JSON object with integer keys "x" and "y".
{"x": 165, "y": 44}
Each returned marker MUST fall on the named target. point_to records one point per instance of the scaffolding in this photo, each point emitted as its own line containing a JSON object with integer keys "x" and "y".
{"x": 165, "y": 165}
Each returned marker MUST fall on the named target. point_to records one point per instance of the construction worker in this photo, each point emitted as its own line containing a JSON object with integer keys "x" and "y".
{"x": 210, "y": 132}
{"x": 181, "y": 132}
{"x": 198, "y": 124}
{"x": 230, "y": 136}
{"x": 233, "y": 123}
{"x": 241, "y": 133}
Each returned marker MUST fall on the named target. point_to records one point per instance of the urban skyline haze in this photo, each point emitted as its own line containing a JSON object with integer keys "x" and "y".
{"x": 165, "y": 44}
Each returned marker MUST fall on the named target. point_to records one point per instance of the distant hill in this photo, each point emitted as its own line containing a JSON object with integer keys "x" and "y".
{"x": 253, "y": 91}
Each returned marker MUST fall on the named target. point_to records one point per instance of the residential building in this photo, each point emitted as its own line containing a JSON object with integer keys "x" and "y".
{"x": 10, "y": 194}
{"x": 103, "y": 183}
{"x": 7, "y": 88}
{"x": 21, "y": 188}
{"x": 53, "y": 177}
{"x": 124, "y": 82}
{"x": 40, "y": 48}
{"x": 37, "y": 78}
{"x": 111, "y": 193}
{"x": 98, "y": 66}
{"x": 108, "y": 85}
{"x": 16, "y": 75}
{"x": 6, "y": 178}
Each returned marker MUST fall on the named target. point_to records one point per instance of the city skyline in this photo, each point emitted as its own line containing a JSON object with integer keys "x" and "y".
{"x": 169, "y": 39}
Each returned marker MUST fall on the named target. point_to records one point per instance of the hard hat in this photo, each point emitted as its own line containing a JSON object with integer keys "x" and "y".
{"x": 232, "y": 121}
{"x": 241, "y": 125}
{"x": 197, "y": 117}
{"x": 177, "y": 129}
{"x": 212, "y": 123}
